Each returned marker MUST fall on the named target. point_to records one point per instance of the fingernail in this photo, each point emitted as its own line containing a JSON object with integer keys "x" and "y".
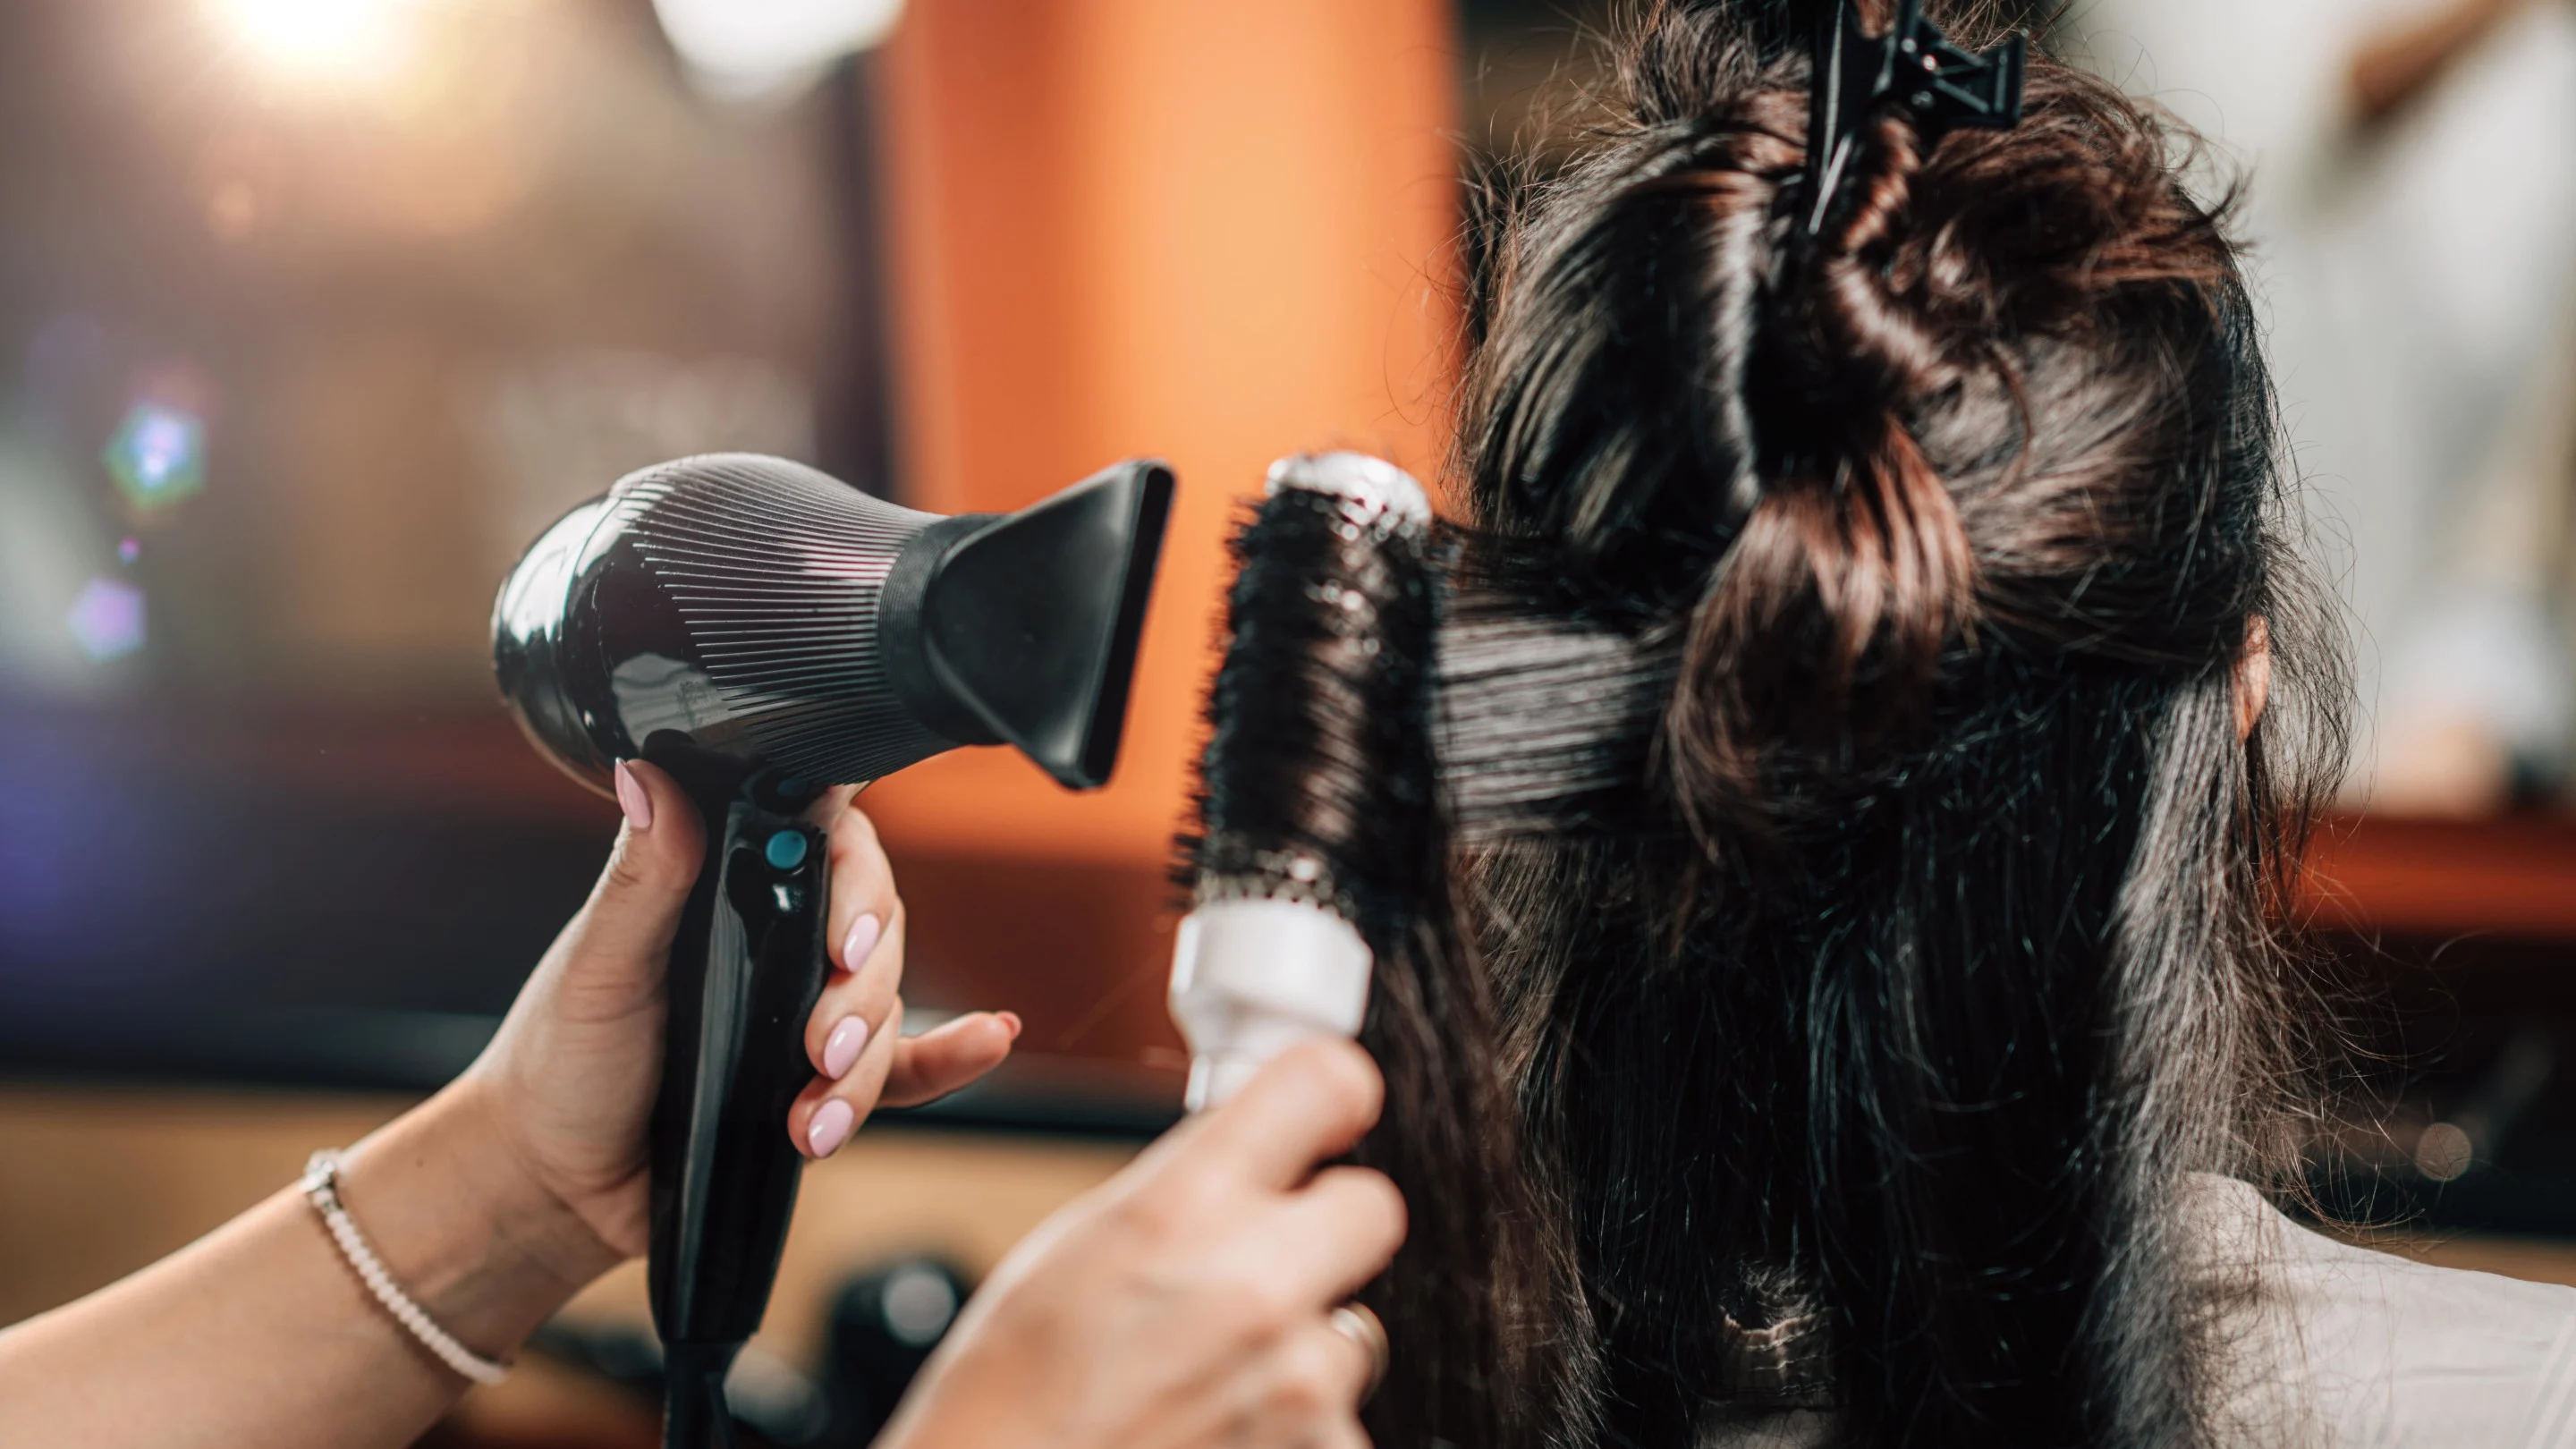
{"x": 632, "y": 798}
{"x": 1010, "y": 1019}
{"x": 831, "y": 1128}
{"x": 841, "y": 1049}
{"x": 861, "y": 941}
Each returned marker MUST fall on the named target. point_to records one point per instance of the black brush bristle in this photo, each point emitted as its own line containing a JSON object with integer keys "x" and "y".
{"x": 1317, "y": 782}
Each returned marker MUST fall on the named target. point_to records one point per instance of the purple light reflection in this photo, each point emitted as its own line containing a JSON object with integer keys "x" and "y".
{"x": 107, "y": 620}
{"x": 90, "y": 859}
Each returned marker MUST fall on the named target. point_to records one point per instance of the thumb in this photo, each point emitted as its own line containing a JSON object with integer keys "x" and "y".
{"x": 636, "y": 906}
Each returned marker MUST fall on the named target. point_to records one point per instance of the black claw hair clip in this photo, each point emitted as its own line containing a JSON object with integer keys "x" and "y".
{"x": 1913, "y": 65}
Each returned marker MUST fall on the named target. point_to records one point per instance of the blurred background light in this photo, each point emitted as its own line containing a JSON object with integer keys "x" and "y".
{"x": 2444, "y": 1152}
{"x": 344, "y": 40}
{"x": 919, "y": 1303}
{"x": 107, "y": 619}
{"x": 157, "y": 456}
{"x": 743, "y": 48}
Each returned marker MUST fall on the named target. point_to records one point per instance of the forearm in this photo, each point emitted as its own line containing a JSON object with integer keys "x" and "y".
{"x": 262, "y": 1334}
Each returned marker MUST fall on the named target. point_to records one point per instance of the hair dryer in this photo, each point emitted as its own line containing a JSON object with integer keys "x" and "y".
{"x": 763, "y": 631}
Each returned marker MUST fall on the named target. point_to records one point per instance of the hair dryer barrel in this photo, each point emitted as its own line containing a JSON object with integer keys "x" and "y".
{"x": 756, "y": 612}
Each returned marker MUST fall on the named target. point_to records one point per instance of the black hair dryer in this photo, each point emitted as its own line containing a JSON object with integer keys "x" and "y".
{"x": 764, "y": 631}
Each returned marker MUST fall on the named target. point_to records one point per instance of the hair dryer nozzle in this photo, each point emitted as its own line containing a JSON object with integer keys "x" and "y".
{"x": 1022, "y": 629}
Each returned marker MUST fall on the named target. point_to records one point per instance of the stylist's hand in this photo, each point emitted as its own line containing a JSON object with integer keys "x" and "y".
{"x": 1185, "y": 1302}
{"x": 568, "y": 1083}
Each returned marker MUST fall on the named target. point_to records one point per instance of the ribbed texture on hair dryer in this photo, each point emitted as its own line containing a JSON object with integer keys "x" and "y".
{"x": 779, "y": 572}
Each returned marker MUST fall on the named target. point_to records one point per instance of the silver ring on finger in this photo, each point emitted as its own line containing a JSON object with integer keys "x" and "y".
{"x": 1356, "y": 1322}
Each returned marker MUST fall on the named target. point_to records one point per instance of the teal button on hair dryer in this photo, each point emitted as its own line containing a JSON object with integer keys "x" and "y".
{"x": 763, "y": 632}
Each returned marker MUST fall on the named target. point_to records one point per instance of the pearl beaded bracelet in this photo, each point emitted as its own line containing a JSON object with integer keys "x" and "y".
{"x": 322, "y": 1185}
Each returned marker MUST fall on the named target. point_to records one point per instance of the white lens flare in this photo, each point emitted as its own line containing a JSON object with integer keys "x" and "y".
{"x": 751, "y": 47}
{"x": 343, "y": 40}
{"x": 158, "y": 456}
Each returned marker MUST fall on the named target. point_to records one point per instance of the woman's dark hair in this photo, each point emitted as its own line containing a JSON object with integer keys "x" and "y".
{"x": 1866, "y": 1061}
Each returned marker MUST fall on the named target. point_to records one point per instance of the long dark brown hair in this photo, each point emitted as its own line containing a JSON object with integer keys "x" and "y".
{"x": 1864, "y": 1062}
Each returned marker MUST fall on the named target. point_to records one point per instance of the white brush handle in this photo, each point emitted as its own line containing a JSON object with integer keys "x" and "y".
{"x": 1255, "y": 976}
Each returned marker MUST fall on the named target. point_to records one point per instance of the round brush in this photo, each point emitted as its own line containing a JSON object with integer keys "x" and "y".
{"x": 1322, "y": 906}
{"x": 1316, "y": 834}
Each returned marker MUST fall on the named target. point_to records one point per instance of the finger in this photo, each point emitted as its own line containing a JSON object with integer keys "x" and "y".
{"x": 1330, "y": 1239}
{"x": 855, "y": 1008}
{"x": 948, "y": 1057}
{"x": 635, "y": 909}
{"x": 829, "y": 1111}
{"x": 1312, "y": 1103}
{"x": 1315, "y": 1379}
{"x": 864, "y": 901}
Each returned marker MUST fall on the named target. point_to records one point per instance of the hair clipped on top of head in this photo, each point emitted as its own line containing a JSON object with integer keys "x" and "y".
{"x": 1933, "y": 945}
{"x": 1832, "y": 454}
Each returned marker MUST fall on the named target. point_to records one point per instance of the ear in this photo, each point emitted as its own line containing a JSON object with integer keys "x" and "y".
{"x": 2253, "y": 675}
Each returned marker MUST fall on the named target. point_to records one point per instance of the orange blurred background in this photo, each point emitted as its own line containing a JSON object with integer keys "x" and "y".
{"x": 1216, "y": 233}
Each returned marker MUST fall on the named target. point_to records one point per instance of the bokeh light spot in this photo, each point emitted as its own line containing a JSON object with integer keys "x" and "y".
{"x": 158, "y": 456}
{"x": 232, "y": 211}
{"x": 345, "y": 40}
{"x": 129, "y": 549}
{"x": 747, "y": 47}
{"x": 107, "y": 619}
{"x": 919, "y": 1304}
{"x": 2444, "y": 1152}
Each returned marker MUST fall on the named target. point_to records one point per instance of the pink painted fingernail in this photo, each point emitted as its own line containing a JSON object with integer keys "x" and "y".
{"x": 633, "y": 799}
{"x": 841, "y": 1049}
{"x": 861, "y": 941}
{"x": 831, "y": 1127}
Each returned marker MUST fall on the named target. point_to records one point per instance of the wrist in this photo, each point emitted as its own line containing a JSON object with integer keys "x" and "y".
{"x": 995, "y": 1380}
{"x": 935, "y": 1415}
{"x": 482, "y": 1244}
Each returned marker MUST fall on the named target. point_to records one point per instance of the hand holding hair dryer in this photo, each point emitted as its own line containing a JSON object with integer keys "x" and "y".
{"x": 763, "y": 631}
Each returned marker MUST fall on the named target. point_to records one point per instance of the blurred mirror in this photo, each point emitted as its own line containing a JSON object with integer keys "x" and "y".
{"x": 312, "y": 315}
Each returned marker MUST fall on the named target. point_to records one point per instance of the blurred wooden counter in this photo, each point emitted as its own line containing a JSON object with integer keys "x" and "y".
{"x": 97, "y": 1182}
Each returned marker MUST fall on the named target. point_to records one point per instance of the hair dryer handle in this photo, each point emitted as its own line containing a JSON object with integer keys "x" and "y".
{"x": 746, "y": 968}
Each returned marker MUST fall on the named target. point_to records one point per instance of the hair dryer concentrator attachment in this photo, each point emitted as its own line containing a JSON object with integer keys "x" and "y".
{"x": 1310, "y": 793}
{"x": 763, "y": 631}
